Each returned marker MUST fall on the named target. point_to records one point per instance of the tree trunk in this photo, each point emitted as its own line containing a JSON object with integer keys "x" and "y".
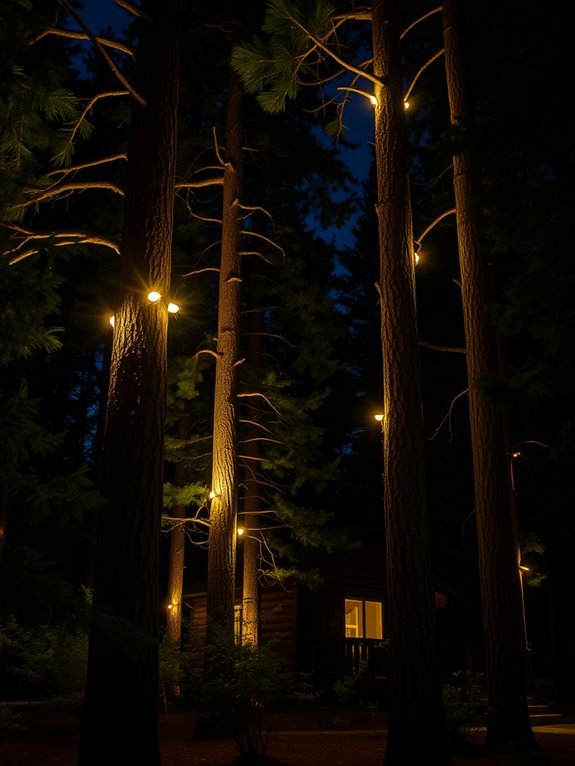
{"x": 223, "y": 508}
{"x": 505, "y": 655}
{"x": 415, "y": 693}
{"x": 120, "y": 713}
{"x": 177, "y": 553}
{"x": 251, "y": 519}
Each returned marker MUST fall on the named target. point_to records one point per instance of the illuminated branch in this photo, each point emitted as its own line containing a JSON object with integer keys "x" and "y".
{"x": 260, "y": 396}
{"x": 334, "y": 56}
{"x": 421, "y": 71}
{"x": 419, "y": 20}
{"x": 74, "y": 168}
{"x": 260, "y": 439}
{"x": 134, "y": 10}
{"x": 67, "y": 237}
{"x": 271, "y": 335}
{"x": 448, "y": 415}
{"x": 219, "y": 181}
{"x": 265, "y": 239}
{"x": 56, "y": 191}
{"x": 200, "y": 271}
{"x": 72, "y": 34}
{"x": 209, "y": 351}
{"x": 216, "y": 147}
{"x": 255, "y": 423}
{"x": 91, "y": 102}
{"x": 260, "y": 255}
{"x": 78, "y": 19}
{"x": 448, "y": 349}
{"x": 433, "y": 224}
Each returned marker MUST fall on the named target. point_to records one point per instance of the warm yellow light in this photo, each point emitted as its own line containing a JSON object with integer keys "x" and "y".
{"x": 154, "y": 296}
{"x": 173, "y": 308}
{"x": 523, "y": 569}
{"x": 379, "y": 417}
{"x": 170, "y": 606}
{"x": 373, "y": 100}
{"x": 516, "y": 454}
{"x": 112, "y": 320}
{"x": 406, "y": 105}
{"x": 212, "y": 495}
{"x": 241, "y": 530}
{"x": 416, "y": 259}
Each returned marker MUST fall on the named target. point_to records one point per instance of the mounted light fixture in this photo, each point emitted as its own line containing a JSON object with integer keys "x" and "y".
{"x": 241, "y": 530}
{"x": 112, "y": 320}
{"x": 379, "y": 417}
{"x": 212, "y": 495}
{"x": 154, "y": 296}
{"x": 173, "y": 308}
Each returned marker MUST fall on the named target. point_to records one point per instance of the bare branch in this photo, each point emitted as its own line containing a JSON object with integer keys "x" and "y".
{"x": 216, "y": 147}
{"x": 56, "y": 191}
{"x": 433, "y": 224}
{"x": 259, "y": 255}
{"x": 260, "y": 439}
{"x": 421, "y": 70}
{"x": 219, "y": 181}
{"x": 134, "y": 10}
{"x": 209, "y": 351}
{"x": 74, "y": 35}
{"x": 261, "y": 396}
{"x": 74, "y": 168}
{"x": 67, "y": 238}
{"x": 448, "y": 349}
{"x": 447, "y": 416}
{"x": 90, "y": 104}
{"x": 419, "y": 20}
{"x": 334, "y": 56}
{"x": 255, "y": 423}
{"x": 135, "y": 95}
{"x": 200, "y": 271}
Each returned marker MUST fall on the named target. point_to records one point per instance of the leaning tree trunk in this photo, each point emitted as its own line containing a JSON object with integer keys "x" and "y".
{"x": 120, "y": 713}
{"x": 505, "y": 650}
{"x": 415, "y": 693}
{"x": 223, "y": 508}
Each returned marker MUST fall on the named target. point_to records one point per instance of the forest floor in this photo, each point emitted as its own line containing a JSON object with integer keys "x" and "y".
{"x": 303, "y": 737}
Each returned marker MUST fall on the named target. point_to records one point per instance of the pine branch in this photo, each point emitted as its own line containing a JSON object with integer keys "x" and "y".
{"x": 419, "y": 20}
{"x": 57, "y": 191}
{"x": 448, "y": 349}
{"x": 83, "y": 166}
{"x": 421, "y": 71}
{"x": 134, "y": 10}
{"x": 433, "y": 224}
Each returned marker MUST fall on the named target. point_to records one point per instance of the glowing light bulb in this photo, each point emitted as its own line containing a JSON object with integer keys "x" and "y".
{"x": 516, "y": 454}
{"x": 173, "y": 308}
{"x": 212, "y": 495}
{"x": 416, "y": 259}
{"x": 373, "y": 100}
{"x": 112, "y": 320}
{"x": 379, "y": 417}
{"x": 241, "y": 530}
{"x": 154, "y": 296}
{"x": 406, "y": 105}
{"x": 170, "y": 606}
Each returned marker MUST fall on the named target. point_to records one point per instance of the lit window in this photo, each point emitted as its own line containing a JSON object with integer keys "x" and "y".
{"x": 363, "y": 619}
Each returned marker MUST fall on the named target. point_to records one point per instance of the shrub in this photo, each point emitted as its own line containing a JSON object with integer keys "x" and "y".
{"x": 464, "y": 708}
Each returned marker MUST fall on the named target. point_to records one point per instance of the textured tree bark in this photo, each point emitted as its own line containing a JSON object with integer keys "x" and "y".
{"x": 505, "y": 651}
{"x": 252, "y": 503}
{"x": 120, "y": 713}
{"x": 223, "y": 509}
{"x": 415, "y": 693}
{"x": 177, "y": 553}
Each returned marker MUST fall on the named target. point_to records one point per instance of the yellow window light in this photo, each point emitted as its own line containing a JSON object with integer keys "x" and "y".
{"x": 173, "y": 308}
{"x": 154, "y": 296}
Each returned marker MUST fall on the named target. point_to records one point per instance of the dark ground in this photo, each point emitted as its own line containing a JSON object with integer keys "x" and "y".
{"x": 304, "y": 737}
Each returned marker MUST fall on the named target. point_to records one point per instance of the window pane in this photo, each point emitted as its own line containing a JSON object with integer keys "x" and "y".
{"x": 373, "y": 620}
{"x": 353, "y": 619}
